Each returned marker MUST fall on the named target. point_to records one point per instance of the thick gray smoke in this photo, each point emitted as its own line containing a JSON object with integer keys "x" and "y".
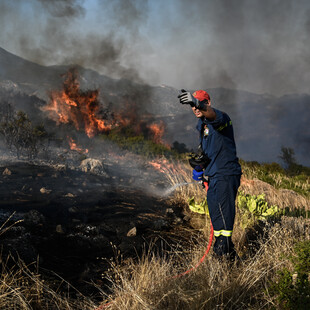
{"x": 259, "y": 46}
{"x": 263, "y": 46}
{"x": 63, "y": 8}
{"x": 61, "y": 34}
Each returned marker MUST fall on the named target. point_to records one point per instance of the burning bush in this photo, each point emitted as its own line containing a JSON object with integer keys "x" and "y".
{"x": 73, "y": 106}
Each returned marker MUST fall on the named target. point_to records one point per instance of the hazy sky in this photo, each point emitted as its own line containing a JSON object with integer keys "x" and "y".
{"x": 261, "y": 46}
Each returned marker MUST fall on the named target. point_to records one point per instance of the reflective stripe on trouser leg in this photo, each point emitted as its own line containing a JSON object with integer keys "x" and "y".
{"x": 223, "y": 232}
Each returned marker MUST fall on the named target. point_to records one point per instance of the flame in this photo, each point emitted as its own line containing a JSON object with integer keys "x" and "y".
{"x": 158, "y": 132}
{"x": 145, "y": 125}
{"x": 72, "y": 105}
{"x": 164, "y": 166}
{"x": 157, "y": 166}
{"x": 73, "y": 146}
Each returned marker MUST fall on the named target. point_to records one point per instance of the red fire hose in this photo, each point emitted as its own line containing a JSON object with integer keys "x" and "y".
{"x": 202, "y": 258}
{"x": 101, "y": 307}
{"x": 206, "y": 185}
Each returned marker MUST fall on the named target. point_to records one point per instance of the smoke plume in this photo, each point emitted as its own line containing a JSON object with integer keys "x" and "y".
{"x": 262, "y": 46}
{"x": 63, "y": 37}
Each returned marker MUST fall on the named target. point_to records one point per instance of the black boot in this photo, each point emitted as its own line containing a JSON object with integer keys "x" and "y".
{"x": 224, "y": 249}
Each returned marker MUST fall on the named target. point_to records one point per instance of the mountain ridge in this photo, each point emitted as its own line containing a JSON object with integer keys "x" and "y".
{"x": 263, "y": 123}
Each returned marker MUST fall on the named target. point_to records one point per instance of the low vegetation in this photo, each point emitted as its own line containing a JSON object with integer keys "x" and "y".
{"x": 292, "y": 286}
{"x": 294, "y": 177}
{"x": 21, "y": 137}
{"x": 22, "y": 287}
{"x": 273, "y": 272}
{"x": 254, "y": 283}
{"x": 273, "y": 174}
{"x": 273, "y": 243}
{"x": 138, "y": 143}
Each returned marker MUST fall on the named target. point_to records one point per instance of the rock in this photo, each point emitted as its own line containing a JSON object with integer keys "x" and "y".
{"x": 132, "y": 232}
{"x": 186, "y": 218}
{"x": 59, "y": 229}
{"x": 92, "y": 165}
{"x": 60, "y": 167}
{"x": 178, "y": 220}
{"x": 87, "y": 230}
{"x": 82, "y": 243}
{"x": 44, "y": 190}
{"x": 70, "y": 195}
{"x": 6, "y": 172}
{"x": 5, "y": 215}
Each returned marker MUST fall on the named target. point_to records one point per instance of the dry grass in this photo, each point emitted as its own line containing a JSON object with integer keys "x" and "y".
{"x": 298, "y": 183}
{"x": 148, "y": 284}
{"x": 182, "y": 173}
{"x": 183, "y": 187}
{"x": 23, "y": 288}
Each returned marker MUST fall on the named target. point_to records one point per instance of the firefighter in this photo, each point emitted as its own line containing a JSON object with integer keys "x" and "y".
{"x": 223, "y": 169}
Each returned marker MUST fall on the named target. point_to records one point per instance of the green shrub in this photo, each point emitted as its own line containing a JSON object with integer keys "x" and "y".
{"x": 275, "y": 175}
{"x": 198, "y": 207}
{"x": 292, "y": 289}
{"x": 127, "y": 139}
{"x": 273, "y": 168}
{"x": 20, "y": 135}
{"x": 254, "y": 208}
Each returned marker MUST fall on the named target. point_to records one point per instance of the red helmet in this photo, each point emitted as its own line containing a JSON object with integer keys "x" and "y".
{"x": 201, "y": 95}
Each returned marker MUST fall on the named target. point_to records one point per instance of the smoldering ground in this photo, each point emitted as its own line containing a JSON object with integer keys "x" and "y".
{"x": 74, "y": 219}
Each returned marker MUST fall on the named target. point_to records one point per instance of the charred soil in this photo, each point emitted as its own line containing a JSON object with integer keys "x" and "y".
{"x": 73, "y": 222}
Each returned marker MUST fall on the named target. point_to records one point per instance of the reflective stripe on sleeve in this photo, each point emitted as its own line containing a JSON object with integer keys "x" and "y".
{"x": 225, "y": 233}
{"x": 224, "y": 126}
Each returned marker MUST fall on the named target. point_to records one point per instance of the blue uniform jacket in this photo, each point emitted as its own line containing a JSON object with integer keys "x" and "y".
{"x": 218, "y": 143}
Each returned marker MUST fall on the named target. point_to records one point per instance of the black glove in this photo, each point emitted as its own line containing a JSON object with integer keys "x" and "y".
{"x": 187, "y": 98}
{"x": 199, "y": 162}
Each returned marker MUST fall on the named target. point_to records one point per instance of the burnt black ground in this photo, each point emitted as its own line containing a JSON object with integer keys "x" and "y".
{"x": 74, "y": 221}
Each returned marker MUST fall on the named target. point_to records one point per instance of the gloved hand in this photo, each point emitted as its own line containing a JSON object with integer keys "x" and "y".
{"x": 197, "y": 175}
{"x": 187, "y": 98}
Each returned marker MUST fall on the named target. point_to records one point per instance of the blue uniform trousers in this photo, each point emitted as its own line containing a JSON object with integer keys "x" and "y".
{"x": 221, "y": 197}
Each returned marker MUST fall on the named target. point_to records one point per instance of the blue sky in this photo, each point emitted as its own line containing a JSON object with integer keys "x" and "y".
{"x": 260, "y": 46}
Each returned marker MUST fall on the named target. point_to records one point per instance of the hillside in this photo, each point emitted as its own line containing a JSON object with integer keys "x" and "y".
{"x": 263, "y": 123}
